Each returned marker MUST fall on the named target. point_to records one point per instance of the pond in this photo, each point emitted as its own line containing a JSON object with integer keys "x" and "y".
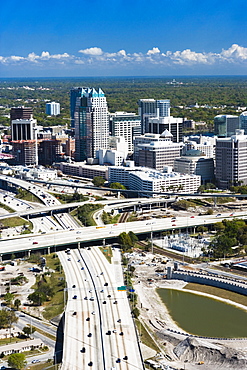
{"x": 204, "y": 316}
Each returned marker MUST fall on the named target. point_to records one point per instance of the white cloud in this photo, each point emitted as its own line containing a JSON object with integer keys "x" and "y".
{"x": 92, "y": 51}
{"x": 95, "y": 56}
{"x": 235, "y": 52}
{"x": 153, "y": 51}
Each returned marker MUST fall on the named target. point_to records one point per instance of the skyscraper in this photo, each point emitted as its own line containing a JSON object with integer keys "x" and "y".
{"x": 75, "y": 93}
{"x": 225, "y": 125}
{"x": 91, "y": 123}
{"x": 230, "y": 160}
{"x": 152, "y": 108}
{"x": 53, "y": 108}
{"x": 21, "y": 113}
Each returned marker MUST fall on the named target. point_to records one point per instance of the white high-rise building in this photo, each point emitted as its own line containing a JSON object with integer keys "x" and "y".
{"x": 127, "y": 125}
{"x": 52, "y": 109}
{"x": 91, "y": 123}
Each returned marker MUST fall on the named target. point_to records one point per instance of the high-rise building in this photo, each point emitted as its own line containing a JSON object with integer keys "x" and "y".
{"x": 24, "y": 152}
{"x": 53, "y": 108}
{"x": 152, "y": 108}
{"x": 75, "y": 93}
{"x": 127, "y": 125}
{"x": 195, "y": 162}
{"x": 23, "y": 129}
{"x": 159, "y": 153}
{"x": 230, "y": 160}
{"x": 91, "y": 123}
{"x": 157, "y": 125}
{"x": 21, "y": 113}
{"x": 225, "y": 125}
{"x": 243, "y": 122}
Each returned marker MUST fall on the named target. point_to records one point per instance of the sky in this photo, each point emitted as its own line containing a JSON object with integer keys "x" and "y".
{"x": 62, "y": 38}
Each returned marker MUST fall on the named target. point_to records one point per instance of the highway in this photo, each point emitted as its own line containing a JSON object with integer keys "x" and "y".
{"x": 64, "y": 219}
{"x": 100, "y": 309}
{"x": 94, "y": 233}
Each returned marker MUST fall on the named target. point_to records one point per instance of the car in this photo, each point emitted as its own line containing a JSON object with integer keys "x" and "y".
{"x": 106, "y": 284}
{"x": 114, "y": 331}
{"x": 82, "y": 268}
{"x": 125, "y": 358}
{"x": 74, "y": 313}
{"x": 90, "y": 291}
{"x": 88, "y": 319}
{"x": 35, "y": 243}
{"x": 83, "y": 350}
{"x": 78, "y": 232}
{"x": 232, "y": 214}
{"x": 115, "y": 302}
{"x": 73, "y": 286}
{"x": 219, "y": 214}
{"x": 108, "y": 333}
{"x": 89, "y": 335}
{"x": 101, "y": 273}
{"x": 69, "y": 259}
{"x": 109, "y": 296}
{"x": 33, "y": 362}
{"x": 119, "y": 320}
{"x": 43, "y": 232}
{"x": 192, "y": 216}
{"x": 93, "y": 313}
{"x": 173, "y": 225}
{"x": 91, "y": 298}
{"x": 78, "y": 260}
{"x": 90, "y": 363}
{"x": 104, "y": 302}
{"x": 85, "y": 298}
{"x": 118, "y": 360}
{"x": 75, "y": 297}
{"x": 121, "y": 333}
{"x": 102, "y": 291}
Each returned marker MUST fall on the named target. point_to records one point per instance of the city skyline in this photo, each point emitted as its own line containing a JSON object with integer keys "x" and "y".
{"x": 122, "y": 38}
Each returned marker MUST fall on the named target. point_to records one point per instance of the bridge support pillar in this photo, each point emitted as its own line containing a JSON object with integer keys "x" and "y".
{"x": 79, "y": 245}
{"x": 1, "y": 258}
{"x": 29, "y": 253}
{"x": 215, "y": 201}
{"x": 103, "y": 241}
{"x": 118, "y": 195}
{"x": 134, "y": 208}
{"x": 48, "y": 250}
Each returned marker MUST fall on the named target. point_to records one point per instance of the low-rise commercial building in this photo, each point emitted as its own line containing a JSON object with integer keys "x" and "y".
{"x": 144, "y": 179}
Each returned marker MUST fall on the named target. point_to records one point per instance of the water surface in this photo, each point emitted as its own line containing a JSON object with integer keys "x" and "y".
{"x": 204, "y": 316}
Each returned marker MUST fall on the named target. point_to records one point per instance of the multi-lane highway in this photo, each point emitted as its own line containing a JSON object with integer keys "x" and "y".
{"x": 93, "y": 233}
{"x": 99, "y": 330}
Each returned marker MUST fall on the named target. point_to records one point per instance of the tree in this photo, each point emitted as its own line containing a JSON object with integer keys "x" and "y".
{"x": 125, "y": 241}
{"x": 37, "y": 298}
{"x": 98, "y": 181}
{"x": 17, "y": 303}
{"x": 117, "y": 185}
{"x": 133, "y": 237}
{"x": 9, "y": 298}
{"x": 17, "y": 360}
{"x": 28, "y": 330}
{"x": 7, "y": 318}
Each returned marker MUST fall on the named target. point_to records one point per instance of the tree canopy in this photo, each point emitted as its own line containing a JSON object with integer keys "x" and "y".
{"x": 17, "y": 361}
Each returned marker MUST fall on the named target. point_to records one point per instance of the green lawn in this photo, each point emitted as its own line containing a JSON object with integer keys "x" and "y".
{"x": 107, "y": 252}
{"x": 15, "y": 221}
{"x": 218, "y": 292}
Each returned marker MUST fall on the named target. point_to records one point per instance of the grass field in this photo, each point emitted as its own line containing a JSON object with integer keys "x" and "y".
{"x": 14, "y": 221}
{"x": 218, "y": 292}
{"x": 107, "y": 252}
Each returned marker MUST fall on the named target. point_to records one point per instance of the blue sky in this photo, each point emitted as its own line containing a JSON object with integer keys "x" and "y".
{"x": 122, "y": 38}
